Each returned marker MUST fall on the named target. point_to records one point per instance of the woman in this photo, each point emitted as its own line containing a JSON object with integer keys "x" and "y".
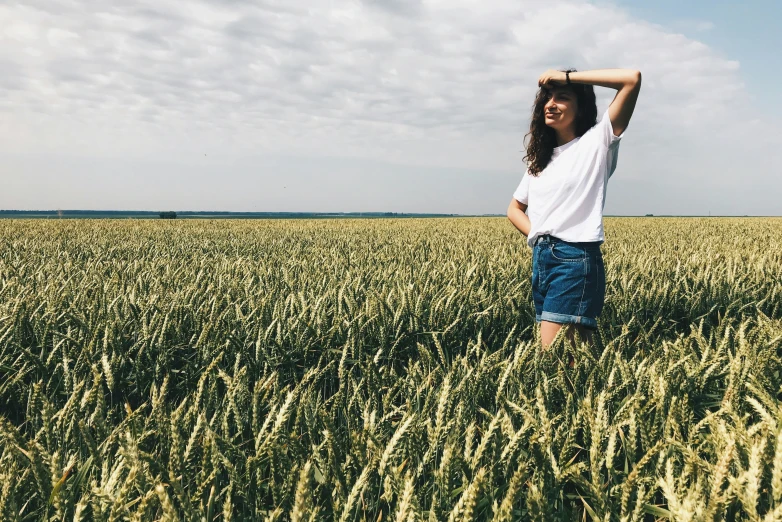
{"x": 559, "y": 203}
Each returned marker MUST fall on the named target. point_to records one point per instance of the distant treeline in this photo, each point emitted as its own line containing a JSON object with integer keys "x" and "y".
{"x": 143, "y": 214}
{"x": 148, "y": 214}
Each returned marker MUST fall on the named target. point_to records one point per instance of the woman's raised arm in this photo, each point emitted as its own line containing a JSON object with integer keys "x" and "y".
{"x": 626, "y": 81}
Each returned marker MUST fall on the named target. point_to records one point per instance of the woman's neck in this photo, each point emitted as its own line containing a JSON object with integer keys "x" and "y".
{"x": 565, "y": 136}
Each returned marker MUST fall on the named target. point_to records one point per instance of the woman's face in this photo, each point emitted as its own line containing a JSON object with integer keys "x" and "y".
{"x": 561, "y": 108}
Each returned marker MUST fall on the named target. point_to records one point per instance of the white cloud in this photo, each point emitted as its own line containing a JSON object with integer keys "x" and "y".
{"x": 437, "y": 83}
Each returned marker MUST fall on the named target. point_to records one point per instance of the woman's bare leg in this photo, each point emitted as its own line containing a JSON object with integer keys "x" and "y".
{"x": 548, "y": 331}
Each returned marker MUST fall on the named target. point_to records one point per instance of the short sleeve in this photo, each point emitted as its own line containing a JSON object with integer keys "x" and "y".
{"x": 604, "y": 132}
{"x": 522, "y": 191}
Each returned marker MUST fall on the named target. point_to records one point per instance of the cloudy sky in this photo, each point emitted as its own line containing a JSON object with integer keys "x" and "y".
{"x": 374, "y": 105}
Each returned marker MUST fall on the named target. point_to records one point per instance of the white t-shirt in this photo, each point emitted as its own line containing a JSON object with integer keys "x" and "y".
{"x": 566, "y": 200}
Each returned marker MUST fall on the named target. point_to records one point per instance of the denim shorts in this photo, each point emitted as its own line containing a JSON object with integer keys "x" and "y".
{"x": 568, "y": 281}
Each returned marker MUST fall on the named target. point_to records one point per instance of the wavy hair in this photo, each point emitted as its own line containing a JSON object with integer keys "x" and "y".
{"x": 542, "y": 138}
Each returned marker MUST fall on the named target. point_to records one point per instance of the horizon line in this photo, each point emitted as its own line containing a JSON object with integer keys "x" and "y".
{"x": 56, "y": 212}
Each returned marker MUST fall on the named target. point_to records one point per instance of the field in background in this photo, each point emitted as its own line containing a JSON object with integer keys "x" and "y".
{"x": 383, "y": 369}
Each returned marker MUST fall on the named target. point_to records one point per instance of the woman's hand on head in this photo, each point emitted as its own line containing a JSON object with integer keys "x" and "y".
{"x": 552, "y": 77}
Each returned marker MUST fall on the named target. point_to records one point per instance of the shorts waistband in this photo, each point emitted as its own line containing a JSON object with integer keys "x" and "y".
{"x": 545, "y": 238}
{"x": 548, "y": 238}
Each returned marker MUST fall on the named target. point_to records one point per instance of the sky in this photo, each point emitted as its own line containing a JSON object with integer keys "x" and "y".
{"x": 375, "y": 105}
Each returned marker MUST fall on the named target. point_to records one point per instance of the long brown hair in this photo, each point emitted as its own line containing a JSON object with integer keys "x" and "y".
{"x": 543, "y": 138}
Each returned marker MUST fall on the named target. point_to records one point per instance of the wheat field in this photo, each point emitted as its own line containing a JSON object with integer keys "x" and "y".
{"x": 386, "y": 369}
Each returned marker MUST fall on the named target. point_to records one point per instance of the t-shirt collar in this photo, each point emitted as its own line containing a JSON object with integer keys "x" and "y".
{"x": 562, "y": 148}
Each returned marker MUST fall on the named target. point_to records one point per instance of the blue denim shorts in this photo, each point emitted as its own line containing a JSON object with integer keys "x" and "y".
{"x": 568, "y": 281}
